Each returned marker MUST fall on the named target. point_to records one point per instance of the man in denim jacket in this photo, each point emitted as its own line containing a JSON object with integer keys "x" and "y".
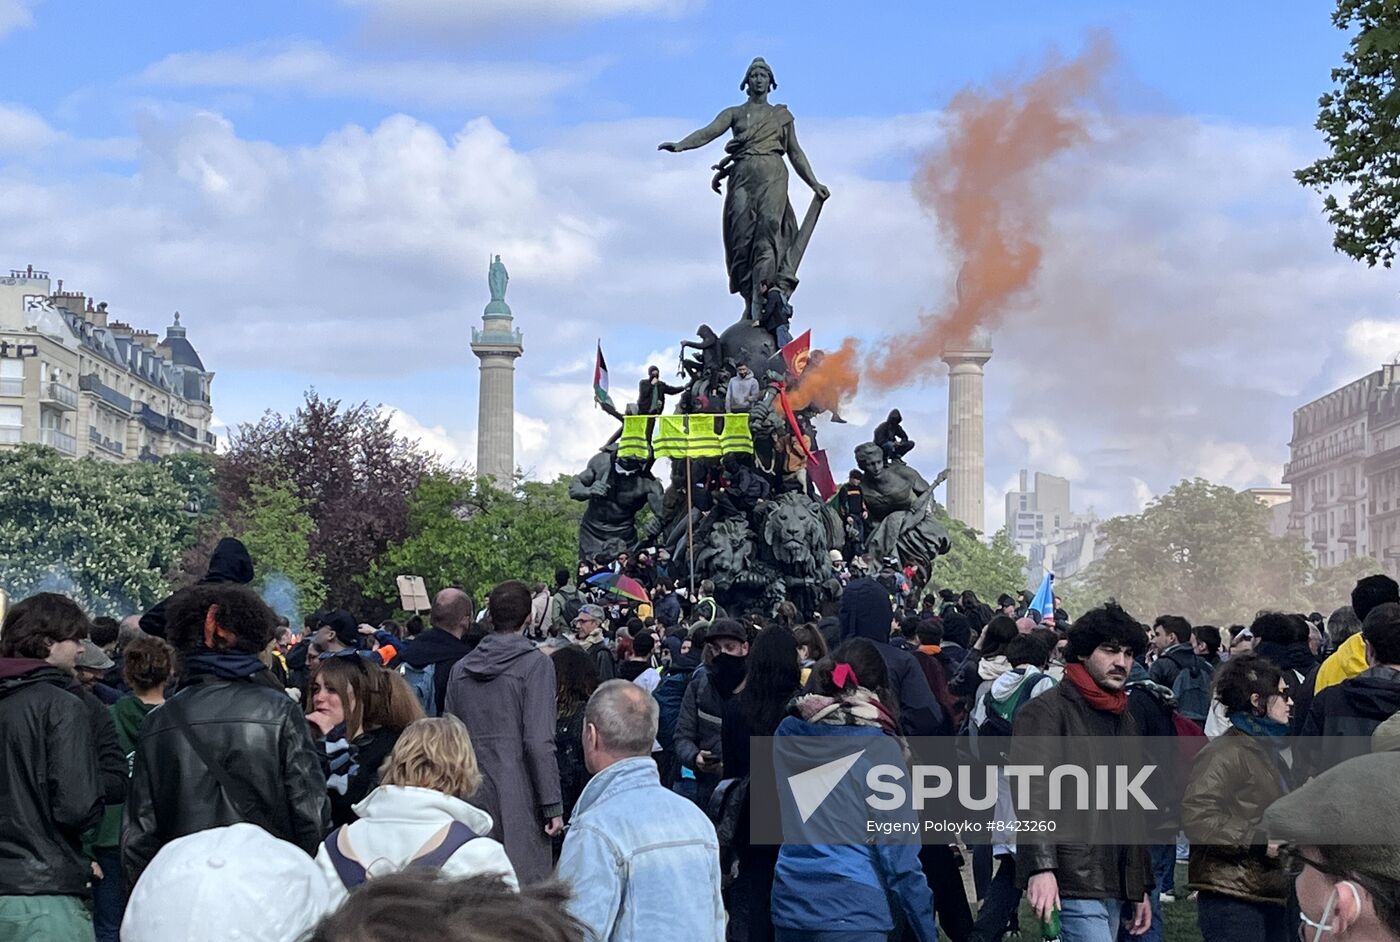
{"x": 643, "y": 862}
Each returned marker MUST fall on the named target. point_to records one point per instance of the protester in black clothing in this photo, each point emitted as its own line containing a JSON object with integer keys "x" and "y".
{"x": 1346, "y": 714}
{"x": 1205, "y": 641}
{"x": 890, "y": 436}
{"x": 854, "y": 514}
{"x": 652, "y": 393}
{"x": 759, "y": 705}
{"x": 1283, "y": 639}
{"x": 576, "y": 679}
{"x": 49, "y": 788}
{"x": 229, "y": 745}
{"x": 866, "y": 613}
{"x": 230, "y": 563}
{"x": 429, "y": 657}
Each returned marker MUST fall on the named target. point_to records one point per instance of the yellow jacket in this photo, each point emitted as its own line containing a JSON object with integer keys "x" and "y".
{"x": 1343, "y": 664}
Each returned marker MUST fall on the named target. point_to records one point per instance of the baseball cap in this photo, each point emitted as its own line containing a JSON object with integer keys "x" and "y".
{"x": 93, "y": 657}
{"x": 346, "y": 629}
{"x": 235, "y": 882}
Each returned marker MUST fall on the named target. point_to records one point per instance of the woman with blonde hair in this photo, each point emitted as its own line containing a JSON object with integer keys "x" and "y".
{"x": 358, "y": 710}
{"x": 419, "y": 816}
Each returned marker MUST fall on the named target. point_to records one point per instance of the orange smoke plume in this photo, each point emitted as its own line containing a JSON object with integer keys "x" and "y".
{"x": 980, "y": 187}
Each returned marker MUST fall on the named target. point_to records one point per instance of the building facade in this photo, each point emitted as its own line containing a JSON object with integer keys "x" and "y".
{"x": 1045, "y": 531}
{"x": 89, "y": 386}
{"x": 1343, "y": 472}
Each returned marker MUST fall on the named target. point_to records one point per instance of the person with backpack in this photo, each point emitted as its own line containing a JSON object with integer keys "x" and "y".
{"x": 430, "y": 656}
{"x": 564, "y": 604}
{"x": 419, "y": 817}
{"x": 1179, "y": 668}
{"x": 670, "y": 695}
{"x": 989, "y": 730}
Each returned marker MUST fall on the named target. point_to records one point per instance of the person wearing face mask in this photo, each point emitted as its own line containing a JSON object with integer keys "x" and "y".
{"x": 1242, "y": 889}
{"x": 652, "y": 393}
{"x": 697, "y": 741}
{"x": 1345, "y": 863}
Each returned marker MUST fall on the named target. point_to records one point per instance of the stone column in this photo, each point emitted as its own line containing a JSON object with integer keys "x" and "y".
{"x": 496, "y": 345}
{"x": 966, "y": 456}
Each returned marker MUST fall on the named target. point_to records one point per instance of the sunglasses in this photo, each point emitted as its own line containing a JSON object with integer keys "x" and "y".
{"x": 1295, "y": 860}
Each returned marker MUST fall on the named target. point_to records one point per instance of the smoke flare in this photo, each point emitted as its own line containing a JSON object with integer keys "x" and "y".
{"x": 979, "y": 184}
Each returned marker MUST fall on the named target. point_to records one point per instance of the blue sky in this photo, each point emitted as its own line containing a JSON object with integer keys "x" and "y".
{"x": 317, "y": 186}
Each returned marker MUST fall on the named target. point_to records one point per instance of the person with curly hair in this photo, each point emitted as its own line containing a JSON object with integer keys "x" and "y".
{"x": 229, "y": 745}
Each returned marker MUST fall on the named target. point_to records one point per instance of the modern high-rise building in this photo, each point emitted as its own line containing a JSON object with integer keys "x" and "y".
{"x": 497, "y": 345}
{"x": 88, "y": 385}
{"x": 1045, "y": 531}
{"x": 966, "y": 445}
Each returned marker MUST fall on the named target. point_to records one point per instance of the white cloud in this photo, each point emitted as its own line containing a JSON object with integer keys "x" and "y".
{"x": 1189, "y": 297}
{"x": 15, "y": 14}
{"x": 1371, "y": 342}
{"x": 310, "y": 69}
{"x": 474, "y": 19}
{"x": 455, "y": 450}
{"x": 22, "y": 130}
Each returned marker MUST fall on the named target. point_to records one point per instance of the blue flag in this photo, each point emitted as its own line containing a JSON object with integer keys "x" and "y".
{"x": 1044, "y": 601}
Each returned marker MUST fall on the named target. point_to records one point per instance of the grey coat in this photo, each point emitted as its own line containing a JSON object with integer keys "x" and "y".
{"x": 504, "y": 691}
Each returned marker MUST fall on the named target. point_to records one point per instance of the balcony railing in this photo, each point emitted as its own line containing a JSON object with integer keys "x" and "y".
{"x": 1321, "y": 456}
{"x": 184, "y": 430}
{"x": 60, "y": 440}
{"x": 153, "y": 419}
{"x": 11, "y": 434}
{"x": 11, "y": 387}
{"x": 1346, "y": 532}
{"x": 91, "y": 384}
{"x": 105, "y": 443}
{"x": 53, "y": 393}
{"x": 1319, "y": 538}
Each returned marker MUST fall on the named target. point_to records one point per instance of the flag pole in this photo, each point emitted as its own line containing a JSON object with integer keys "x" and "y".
{"x": 689, "y": 517}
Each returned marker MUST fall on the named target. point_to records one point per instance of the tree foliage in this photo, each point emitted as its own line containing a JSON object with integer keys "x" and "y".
{"x": 1360, "y": 119}
{"x": 277, "y": 531}
{"x": 349, "y": 471}
{"x": 1201, "y": 550}
{"x": 989, "y": 569}
{"x": 463, "y": 531}
{"x": 103, "y": 534}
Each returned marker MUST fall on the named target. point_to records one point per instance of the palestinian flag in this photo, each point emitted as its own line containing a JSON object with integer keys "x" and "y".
{"x": 600, "y": 378}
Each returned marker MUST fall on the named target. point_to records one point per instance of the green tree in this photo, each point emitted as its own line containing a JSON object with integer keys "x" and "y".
{"x": 989, "y": 569}
{"x": 1360, "y": 119}
{"x": 277, "y": 530}
{"x": 351, "y": 473}
{"x": 1330, "y": 588}
{"x": 1201, "y": 550}
{"x": 106, "y": 535}
{"x": 464, "y": 531}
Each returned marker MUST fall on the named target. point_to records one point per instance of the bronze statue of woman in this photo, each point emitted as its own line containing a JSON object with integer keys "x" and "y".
{"x": 760, "y": 228}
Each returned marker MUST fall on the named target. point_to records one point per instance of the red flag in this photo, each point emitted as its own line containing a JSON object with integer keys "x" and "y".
{"x": 792, "y": 421}
{"x": 796, "y": 353}
{"x": 819, "y": 471}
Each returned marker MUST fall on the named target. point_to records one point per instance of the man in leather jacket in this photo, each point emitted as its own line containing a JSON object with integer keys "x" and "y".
{"x": 229, "y": 745}
{"x": 1093, "y": 885}
{"x": 49, "y": 791}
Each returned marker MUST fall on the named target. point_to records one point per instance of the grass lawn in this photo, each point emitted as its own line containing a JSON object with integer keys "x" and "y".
{"x": 1180, "y": 917}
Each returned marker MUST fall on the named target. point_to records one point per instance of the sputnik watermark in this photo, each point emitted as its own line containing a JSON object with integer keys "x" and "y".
{"x": 1114, "y": 788}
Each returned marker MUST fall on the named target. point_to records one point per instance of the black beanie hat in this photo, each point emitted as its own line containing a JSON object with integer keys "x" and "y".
{"x": 346, "y": 629}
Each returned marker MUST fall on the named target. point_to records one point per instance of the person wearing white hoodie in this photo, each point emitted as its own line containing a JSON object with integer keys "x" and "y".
{"x": 419, "y": 815}
{"x": 1023, "y": 679}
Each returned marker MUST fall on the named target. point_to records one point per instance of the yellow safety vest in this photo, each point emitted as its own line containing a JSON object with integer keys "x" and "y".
{"x": 633, "y": 443}
{"x": 669, "y": 438}
{"x": 736, "y": 439}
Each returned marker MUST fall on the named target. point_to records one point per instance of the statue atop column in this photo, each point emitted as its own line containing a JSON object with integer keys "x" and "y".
{"x": 496, "y": 279}
{"x": 762, "y": 241}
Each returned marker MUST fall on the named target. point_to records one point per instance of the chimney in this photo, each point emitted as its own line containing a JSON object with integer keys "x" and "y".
{"x": 98, "y": 318}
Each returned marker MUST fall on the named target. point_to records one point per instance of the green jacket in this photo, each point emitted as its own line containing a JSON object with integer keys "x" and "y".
{"x": 128, "y": 714}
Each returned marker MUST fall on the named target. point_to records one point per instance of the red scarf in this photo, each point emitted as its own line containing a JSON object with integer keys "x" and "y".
{"x": 1110, "y": 701}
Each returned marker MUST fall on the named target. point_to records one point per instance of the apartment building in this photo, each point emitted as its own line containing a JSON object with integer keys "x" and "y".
{"x": 90, "y": 386}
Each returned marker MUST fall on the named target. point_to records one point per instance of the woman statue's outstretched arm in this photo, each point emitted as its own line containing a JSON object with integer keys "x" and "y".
{"x": 703, "y": 136}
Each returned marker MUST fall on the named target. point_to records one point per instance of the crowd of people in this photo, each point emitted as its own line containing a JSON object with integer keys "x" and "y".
{"x": 559, "y": 763}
